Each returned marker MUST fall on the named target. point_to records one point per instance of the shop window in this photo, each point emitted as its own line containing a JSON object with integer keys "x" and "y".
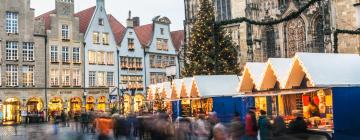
{"x": 28, "y": 51}
{"x": 28, "y": 75}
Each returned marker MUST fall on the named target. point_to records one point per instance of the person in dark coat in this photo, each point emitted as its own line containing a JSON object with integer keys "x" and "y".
{"x": 264, "y": 126}
{"x": 84, "y": 118}
{"x": 251, "y": 127}
{"x": 279, "y": 127}
{"x": 298, "y": 125}
{"x": 237, "y": 128}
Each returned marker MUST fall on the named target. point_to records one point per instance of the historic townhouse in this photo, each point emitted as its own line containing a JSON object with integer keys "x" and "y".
{"x": 100, "y": 55}
{"x": 22, "y": 61}
{"x": 160, "y": 51}
{"x": 64, "y": 59}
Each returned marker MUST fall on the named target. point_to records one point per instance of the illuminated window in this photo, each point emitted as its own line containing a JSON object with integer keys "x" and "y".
{"x": 28, "y": 75}
{"x": 66, "y": 77}
{"x": 11, "y": 75}
{"x": 101, "y": 78}
{"x": 101, "y": 58}
{"x": 110, "y": 58}
{"x": 158, "y": 61}
{"x": 92, "y": 57}
{"x": 152, "y": 61}
{"x": 96, "y": 38}
{"x": 76, "y": 77}
{"x": 54, "y": 77}
{"x": 131, "y": 46}
{"x": 105, "y": 38}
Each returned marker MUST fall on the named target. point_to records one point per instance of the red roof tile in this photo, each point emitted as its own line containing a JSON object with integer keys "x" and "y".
{"x": 47, "y": 19}
{"x": 85, "y": 18}
{"x": 117, "y": 28}
{"x": 144, "y": 33}
{"x": 177, "y": 38}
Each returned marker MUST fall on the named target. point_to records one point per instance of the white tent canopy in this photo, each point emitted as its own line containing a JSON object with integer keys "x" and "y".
{"x": 324, "y": 70}
{"x": 277, "y": 70}
{"x": 177, "y": 87}
{"x": 252, "y": 75}
{"x": 186, "y": 87}
{"x": 215, "y": 86}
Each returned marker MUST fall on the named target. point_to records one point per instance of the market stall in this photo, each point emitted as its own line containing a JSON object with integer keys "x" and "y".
{"x": 175, "y": 98}
{"x": 11, "y": 111}
{"x": 214, "y": 94}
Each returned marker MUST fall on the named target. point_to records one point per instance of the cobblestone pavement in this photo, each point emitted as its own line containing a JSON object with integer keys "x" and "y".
{"x": 42, "y": 132}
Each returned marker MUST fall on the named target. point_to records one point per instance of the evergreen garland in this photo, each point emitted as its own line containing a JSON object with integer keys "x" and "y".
{"x": 341, "y": 31}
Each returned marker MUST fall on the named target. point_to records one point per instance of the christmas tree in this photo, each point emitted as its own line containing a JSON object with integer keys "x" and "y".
{"x": 199, "y": 60}
{"x": 226, "y": 54}
{"x": 209, "y": 51}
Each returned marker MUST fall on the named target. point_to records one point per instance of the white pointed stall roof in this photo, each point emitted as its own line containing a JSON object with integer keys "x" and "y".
{"x": 167, "y": 89}
{"x": 216, "y": 85}
{"x": 187, "y": 84}
{"x": 281, "y": 68}
{"x": 325, "y": 70}
{"x": 252, "y": 75}
{"x": 177, "y": 84}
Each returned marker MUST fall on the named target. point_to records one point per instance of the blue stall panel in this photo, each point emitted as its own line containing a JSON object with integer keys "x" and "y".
{"x": 346, "y": 108}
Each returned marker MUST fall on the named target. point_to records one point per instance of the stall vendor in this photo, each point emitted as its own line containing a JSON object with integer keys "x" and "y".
{"x": 314, "y": 110}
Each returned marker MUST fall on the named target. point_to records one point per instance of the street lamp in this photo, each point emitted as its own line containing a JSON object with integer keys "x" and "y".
{"x": 122, "y": 88}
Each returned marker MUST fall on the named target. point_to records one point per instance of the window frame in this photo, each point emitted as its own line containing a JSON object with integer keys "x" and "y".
{"x": 54, "y": 54}
{"x": 76, "y": 55}
{"x": 12, "y": 75}
{"x": 28, "y": 75}
{"x": 11, "y": 50}
{"x": 28, "y": 51}
{"x": 65, "y": 57}
{"x": 11, "y": 22}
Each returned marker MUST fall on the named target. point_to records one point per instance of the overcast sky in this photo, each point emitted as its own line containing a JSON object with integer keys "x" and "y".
{"x": 145, "y": 9}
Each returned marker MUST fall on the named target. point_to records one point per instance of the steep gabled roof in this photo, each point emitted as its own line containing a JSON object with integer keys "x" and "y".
{"x": 117, "y": 28}
{"x": 177, "y": 38}
{"x": 144, "y": 33}
{"x": 85, "y": 18}
{"x": 47, "y": 19}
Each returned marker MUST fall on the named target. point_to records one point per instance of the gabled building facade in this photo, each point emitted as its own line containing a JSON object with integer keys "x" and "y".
{"x": 100, "y": 54}
{"x": 22, "y": 65}
{"x": 64, "y": 59}
{"x": 160, "y": 51}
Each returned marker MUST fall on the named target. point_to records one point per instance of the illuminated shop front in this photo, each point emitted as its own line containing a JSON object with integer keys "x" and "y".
{"x": 34, "y": 105}
{"x": 75, "y": 104}
{"x": 90, "y": 103}
{"x": 101, "y": 106}
{"x": 55, "y": 105}
{"x": 11, "y": 111}
{"x": 127, "y": 103}
{"x": 139, "y": 102}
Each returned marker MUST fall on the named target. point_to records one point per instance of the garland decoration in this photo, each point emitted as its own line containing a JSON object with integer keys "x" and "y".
{"x": 342, "y": 31}
{"x": 291, "y": 16}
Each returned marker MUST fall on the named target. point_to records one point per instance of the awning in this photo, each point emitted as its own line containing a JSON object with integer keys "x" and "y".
{"x": 279, "y": 92}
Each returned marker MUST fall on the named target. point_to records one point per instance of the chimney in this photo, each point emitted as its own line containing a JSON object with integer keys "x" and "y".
{"x": 129, "y": 21}
{"x": 100, "y": 3}
{"x": 136, "y": 21}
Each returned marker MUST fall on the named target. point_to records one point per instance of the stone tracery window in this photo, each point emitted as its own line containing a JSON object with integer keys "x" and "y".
{"x": 295, "y": 35}
{"x": 270, "y": 42}
{"x": 319, "y": 35}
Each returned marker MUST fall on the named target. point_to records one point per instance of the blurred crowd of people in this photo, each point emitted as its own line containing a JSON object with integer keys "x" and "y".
{"x": 161, "y": 126}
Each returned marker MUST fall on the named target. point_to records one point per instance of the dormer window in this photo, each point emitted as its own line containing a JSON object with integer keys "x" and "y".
{"x": 162, "y": 31}
{"x": 101, "y": 22}
{"x": 65, "y": 32}
{"x": 131, "y": 46}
